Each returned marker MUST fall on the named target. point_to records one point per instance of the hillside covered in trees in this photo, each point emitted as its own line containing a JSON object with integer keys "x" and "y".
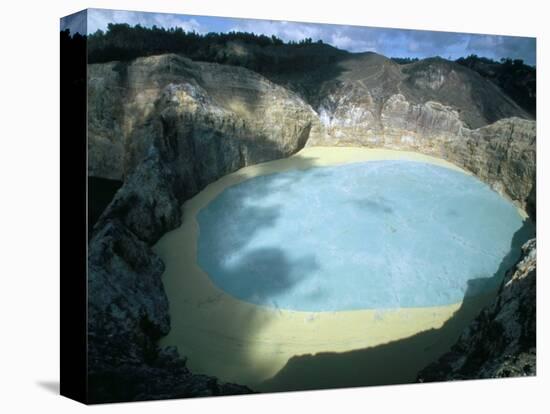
{"x": 261, "y": 53}
{"x": 514, "y": 77}
{"x": 279, "y": 60}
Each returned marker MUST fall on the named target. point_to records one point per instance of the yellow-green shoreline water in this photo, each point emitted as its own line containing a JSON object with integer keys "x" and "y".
{"x": 240, "y": 342}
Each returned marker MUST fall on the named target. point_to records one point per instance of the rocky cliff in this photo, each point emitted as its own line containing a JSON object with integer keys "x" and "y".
{"x": 167, "y": 126}
{"x": 501, "y": 341}
{"x": 222, "y": 116}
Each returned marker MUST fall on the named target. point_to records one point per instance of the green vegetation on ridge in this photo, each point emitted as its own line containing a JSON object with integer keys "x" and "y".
{"x": 260, "y": 53}
{"x": 283, "y": 61}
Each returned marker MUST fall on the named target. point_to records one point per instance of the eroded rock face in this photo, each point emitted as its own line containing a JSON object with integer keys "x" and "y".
{"x": 428, "y": 119}
{"x": 502, "y": 154}
{"x": 148, "y": 204}
{"x": 135, "y": 299}
{"x": 501, "y": 341}
{"x": 169, "y": 126}
{"x": 372, "y": 96}
{"x": 222, "y": 117}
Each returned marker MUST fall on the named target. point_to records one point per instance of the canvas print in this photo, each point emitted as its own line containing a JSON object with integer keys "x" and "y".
{"x": 282, "y": 206}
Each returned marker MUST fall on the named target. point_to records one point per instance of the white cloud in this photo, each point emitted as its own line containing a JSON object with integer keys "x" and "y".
{"x": 170, "y": 21}
{"x": 99, "y": 19}
{"x": 353, "y": 42}
{"x": 341, "y": 41}
{"x": 286, "y": 31}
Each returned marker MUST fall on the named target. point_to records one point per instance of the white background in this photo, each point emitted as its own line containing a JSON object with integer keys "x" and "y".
{"x": 29, "y": 216}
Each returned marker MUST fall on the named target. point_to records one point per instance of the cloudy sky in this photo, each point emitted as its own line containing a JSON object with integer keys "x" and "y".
{"x": 389, "y": 42}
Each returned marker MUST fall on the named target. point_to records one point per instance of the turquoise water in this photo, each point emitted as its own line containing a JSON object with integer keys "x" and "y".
{"x": 370, "y": 235}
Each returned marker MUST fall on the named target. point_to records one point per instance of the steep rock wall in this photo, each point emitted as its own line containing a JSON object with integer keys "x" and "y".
{"x": 501, "y": 341}
{"x": 168, "y": 127}
{"x": 222, "y": 116}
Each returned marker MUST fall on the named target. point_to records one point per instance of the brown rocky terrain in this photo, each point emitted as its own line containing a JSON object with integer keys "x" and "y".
{"x": 167, "y": 126}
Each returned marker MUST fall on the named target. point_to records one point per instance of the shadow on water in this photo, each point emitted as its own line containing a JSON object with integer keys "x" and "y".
{"x": 396, "y": 362}
{"x": 210, "y": 350}
{"x": 381, "y": 205}
{"x": 276, "y": 270}
{"x": 259, "y": 274}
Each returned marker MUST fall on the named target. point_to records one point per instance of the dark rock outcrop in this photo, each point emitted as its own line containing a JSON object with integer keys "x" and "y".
{"x": 128, "y": 308}
{"x": 501, "y": 341}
